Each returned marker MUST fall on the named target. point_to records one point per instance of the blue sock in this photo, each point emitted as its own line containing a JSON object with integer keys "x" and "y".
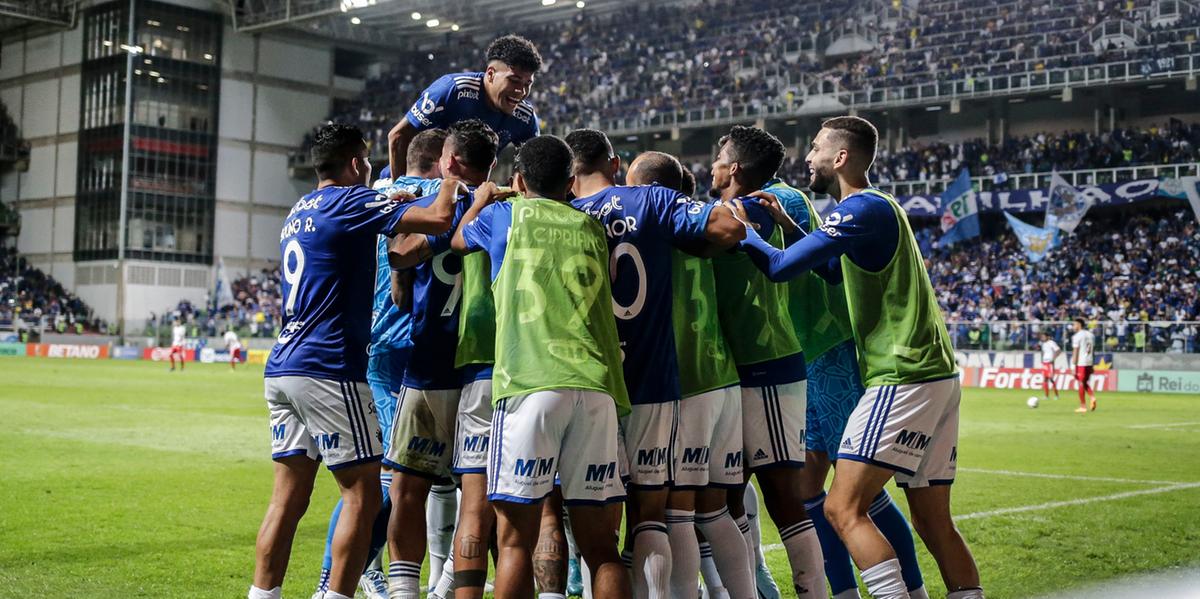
{"x": 891, "y": 522}
{"x": 327, "y": 560}
{"x": 379, "y": 529}
{"x": 838, "y": 567}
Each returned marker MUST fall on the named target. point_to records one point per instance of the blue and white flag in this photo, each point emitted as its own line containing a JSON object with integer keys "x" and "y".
{"x": 1037, "y": 241}
{"x": 1191, "y": 186}
{"x": 960, "y": 210}
{"x": 222, "y": 293}
{"x": 1066, "y": 206}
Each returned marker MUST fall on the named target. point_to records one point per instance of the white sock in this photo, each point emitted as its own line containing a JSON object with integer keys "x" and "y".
{"x": 804, "y": 555}
{"x": 708, "y": 567}
{"x": 257, "y": 593}
{"x": 333, "y": 595}
{"x": 743, "y": 526}
{"x": 729, "y": 552}
{"x": 920, "y": 593}
{"x": 445, "y": 584}
{"x": 651, "y": 561}
{"x": 848, "y": 594}
{"x": 751, "y": 502}
{"x": 404, "y": 580}
{"x": 551, "y": 596}
{"x": 586, "y": 573}
{"x": 685, "y": 552}
{"x": 884, "y": 581}
{"x": 965, "y": 594}
{"x": 440, "y": 512}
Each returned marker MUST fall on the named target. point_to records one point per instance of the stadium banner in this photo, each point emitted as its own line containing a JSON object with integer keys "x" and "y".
{"x": 12, "y": 350}
{"x": 126, "y": 352}
{"x": 1066, "y": 207}
{"x": 163, "y": 354}
{"x": 1031, "y": 378}
{"x": 1159, "y": 381}
{"x": 12, "y": 337}
{"x": 66, "y": 350}
{"x": 257, "y": 356}
{"x": 960, "y": 210}
{"x": 970, "y": 358}
{"x": 1037, "y": 241}
{"x": 209, "y": 355}
{"x": 1035, "y": 200}
{"x": 1191, "y": 188}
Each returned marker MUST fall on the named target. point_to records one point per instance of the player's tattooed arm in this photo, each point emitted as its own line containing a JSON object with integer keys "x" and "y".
{"x": 406, "y": 251}
{"x": 485, "y": 195}
{"x": 437, "y": 217}
{"x": 402, "y": 289}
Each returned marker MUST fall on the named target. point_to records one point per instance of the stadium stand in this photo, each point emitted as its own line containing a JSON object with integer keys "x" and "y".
{"x": 32, "y": 300}
{"x": 254, "y": 313}
{"x": 629, "y": 70}
{"x": 1118, "y": 266}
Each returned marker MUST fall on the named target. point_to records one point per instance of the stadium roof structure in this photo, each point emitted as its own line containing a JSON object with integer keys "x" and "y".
{"x": 404, "y": 23}
{"x": 21, "y": 13}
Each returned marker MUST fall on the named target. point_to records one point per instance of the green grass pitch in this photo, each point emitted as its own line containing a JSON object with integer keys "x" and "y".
{"x": 119, "y": 479}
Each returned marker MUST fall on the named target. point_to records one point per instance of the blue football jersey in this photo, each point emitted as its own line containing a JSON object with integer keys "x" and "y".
{"x": 643, "y": 224}
{"x": 328, "y": 245}
{"x": 389, "y": 326}
{"x": 437, "y": 291}
{"x": 459, "y": 97}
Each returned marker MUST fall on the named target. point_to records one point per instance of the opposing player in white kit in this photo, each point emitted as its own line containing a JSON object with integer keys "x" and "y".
{"x": 1050, "y": 352}
{"x": 234, "y": 347}
{"x": 178, "y": 338}
{"x": 557, "y": 382}
{"x": 906, "y": 425}
{"x": 1083, "y": 358}
{"x": 315, "y": 379}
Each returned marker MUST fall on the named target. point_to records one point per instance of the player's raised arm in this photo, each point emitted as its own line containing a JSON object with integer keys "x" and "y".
{"x": 399, "y": 139}
{"x": 431, "y": 217}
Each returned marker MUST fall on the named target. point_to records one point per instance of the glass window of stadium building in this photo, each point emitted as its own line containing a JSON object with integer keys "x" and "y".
{"x": 148, "y": 133}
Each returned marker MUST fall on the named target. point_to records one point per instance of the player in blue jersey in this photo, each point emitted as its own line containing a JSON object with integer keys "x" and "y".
{"x": 904, "y": 355}
{"x": 423, "y": 438}
{"x": 496, "y": 96}
{"x": 709, "y": 440}
{"x": 388, "y": 351}
{"x": 315, "y": 378}
{"x": 643, "y": 224}
{"x": 756, "y": 320}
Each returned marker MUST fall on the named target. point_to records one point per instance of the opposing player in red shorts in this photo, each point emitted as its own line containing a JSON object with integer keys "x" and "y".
{"x": 1083, "y": 344}
{"x": 1050, "y": 352}
{"x": 235, "y": 348}
{"x": 178, "y": 336}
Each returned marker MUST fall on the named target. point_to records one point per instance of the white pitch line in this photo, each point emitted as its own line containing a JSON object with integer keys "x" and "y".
{"x": 1099, "y": 479}
{"x": 1168, "y": 425}
{"x": 1053, "y": 504}
{"x": 1071, "y": 502}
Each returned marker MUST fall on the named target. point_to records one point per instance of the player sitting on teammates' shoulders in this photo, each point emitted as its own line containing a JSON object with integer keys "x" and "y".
{"x": 497, "y": 96}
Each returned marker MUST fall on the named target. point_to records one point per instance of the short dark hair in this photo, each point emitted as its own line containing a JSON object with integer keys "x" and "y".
{"x": 545, "y": 164}
{"x": 515, "y": 51}
{"x": 1081, "y": 322}
{"x": 757, "y": 152}
{"x": 425, "y": 149}
{"x": 688, "y": 186}
{"x": 860, "y": 135}
{"x": 591, "y": 149}
{"x": 335, "y": 145}
{"x": 475, "y": 143}
{"x": 661, "y": 168}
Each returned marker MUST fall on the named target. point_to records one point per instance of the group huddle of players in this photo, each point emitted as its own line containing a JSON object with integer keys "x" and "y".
{"x": 563, "y": 347}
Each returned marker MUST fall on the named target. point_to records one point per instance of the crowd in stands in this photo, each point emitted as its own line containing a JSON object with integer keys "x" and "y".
{"x": 32, "y": 300}
{"x": 653, "y": 59}
{"x": 255, "y": 311}
{"x": 1116, "y": 267}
